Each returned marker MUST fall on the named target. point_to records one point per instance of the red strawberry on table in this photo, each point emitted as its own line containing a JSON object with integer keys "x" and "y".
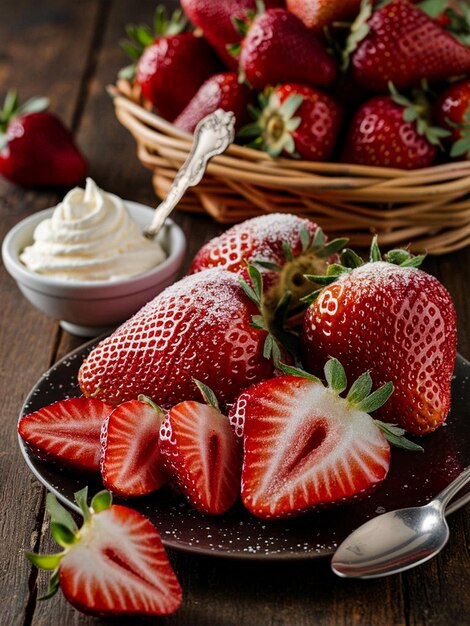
{"x": 218, "y": 19}
{"x": 306, "y": 446}
{"x": 221, "y": 91}
{"x": 395, "y": 320}
{"x": 114, "y": 565}
{"x": 67, "y": 432}
{"x": 452, "y": 111}
{"x": 295, "y": 120}
{"x": 36, "y": 149}
{"x": 131, "y": 463}
{"x": 202, "y": 454}
{"x": 401, "y": 44}
{"x": 284, "y": 246}
{"x": 316, "y": 14}
{"x": 278, "y": 48}
{"x": 391, "y": 131}
{"x": 200, "y": 327}
{"x": 164, "y": 63}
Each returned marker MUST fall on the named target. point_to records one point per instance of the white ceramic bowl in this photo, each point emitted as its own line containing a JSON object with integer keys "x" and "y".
{"x": 89, "y": 308}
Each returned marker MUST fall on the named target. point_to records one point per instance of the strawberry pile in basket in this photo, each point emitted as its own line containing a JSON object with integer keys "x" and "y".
{"x": 373, "y": 83}
{"x": 250, "y": 382}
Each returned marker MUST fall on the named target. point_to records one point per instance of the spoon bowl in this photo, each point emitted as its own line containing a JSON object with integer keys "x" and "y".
{"x": 397, "y": 540}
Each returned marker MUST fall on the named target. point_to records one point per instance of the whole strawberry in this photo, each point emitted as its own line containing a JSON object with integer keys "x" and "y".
{"x": 200, "y": 327}
{"x": 285, "y": 247}
{"x": 279, "y": 48}
{"x": 390, "y": 131}
{"x": 164, "y": 65}
{"x": 221, "y": 91}
{"x": 36, "y": 149}
{"x": 114, "y": 565}
{"x": 316, "y": 14}
{"x": 218, "y": 21}
{"x": 396, "y": 321}
{"x": 452, "y": 111}
{"x": 295, "y": 120}
{"x": 401, "y": 44}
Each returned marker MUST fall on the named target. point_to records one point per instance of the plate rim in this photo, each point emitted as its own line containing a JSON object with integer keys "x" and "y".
{"x": 179, "y": 546}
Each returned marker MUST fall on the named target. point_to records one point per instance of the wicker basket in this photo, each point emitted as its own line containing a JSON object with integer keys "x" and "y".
{"x": 428, "y": 208}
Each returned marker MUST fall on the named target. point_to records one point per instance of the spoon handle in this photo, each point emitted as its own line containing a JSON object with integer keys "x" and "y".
{"x": 455, "y": 486}
{"x": 212, "y": 136}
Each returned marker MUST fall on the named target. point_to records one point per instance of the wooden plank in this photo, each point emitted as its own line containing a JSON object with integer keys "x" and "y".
{"x": 215, "y": 591}
{"x": 41, "y": 54}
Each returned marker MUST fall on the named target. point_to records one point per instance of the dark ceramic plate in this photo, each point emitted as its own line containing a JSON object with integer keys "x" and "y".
{"x": 413, "y": 480}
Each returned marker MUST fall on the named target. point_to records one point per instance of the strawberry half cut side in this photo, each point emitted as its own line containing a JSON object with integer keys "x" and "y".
{"x": 131, "y": 463}
{"x": 306, "y": 446}
{"x": 67, "y": 433}
{"x": 115, "y": 564}
{"x": 202, "y": 453}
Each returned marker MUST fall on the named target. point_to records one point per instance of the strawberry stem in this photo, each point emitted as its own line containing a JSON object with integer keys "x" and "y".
{"x": 209, "y": 396}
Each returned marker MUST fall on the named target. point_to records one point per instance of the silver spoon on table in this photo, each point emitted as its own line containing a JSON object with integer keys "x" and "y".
{"x": 397, "y": 540}
{"x": 213, "y": 135}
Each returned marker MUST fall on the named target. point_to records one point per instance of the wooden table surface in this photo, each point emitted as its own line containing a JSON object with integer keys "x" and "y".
{"x": 68, "y": 51}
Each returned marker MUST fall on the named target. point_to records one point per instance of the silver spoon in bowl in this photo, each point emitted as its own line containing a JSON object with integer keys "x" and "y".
{"x": 397, "y": 540}
{"x": 213, "y": 135}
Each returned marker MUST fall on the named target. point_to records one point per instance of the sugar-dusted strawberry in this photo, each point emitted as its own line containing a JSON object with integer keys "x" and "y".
{"x": 221, "y": 91}
{"x": 130, "y": 462}
{"x": 400, "y": 43}
{"x": 164, "y": 66}
{"x": 295, "y": 120}
{"x": 395, "y": 320}
{"x": 278, "y": 48}
{"x": 67, "y": 432}
{"x": 202, "y": 454}
{"x": 316, "y": 14}
{"x": 114, "y": 565}
{"x": 283, "y": 246}
{"x": 452, "y": 111}
{"x": 392, "y": 131}
{"x": 218, "y": 21}
{"x": 199, "y": 327}
{"x": 306, "y": 446}
{"x": 36, "y": 149}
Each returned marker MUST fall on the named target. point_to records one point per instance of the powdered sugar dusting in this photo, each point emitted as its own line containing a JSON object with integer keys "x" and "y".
{"x": 197, "y": 328}
{"x": 258, "y": 238}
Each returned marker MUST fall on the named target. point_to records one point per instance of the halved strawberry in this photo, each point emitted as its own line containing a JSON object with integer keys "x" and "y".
{"x": 305, "y": 446}
{"x": 67, "y": 432}
{"x": 131, "y": 463}
{"x": 115, "y": 564}
{"x": 202, "y": 454}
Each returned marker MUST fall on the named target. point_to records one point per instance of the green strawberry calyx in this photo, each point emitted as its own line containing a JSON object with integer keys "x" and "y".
{"x": 453, "y": 16}
{"x": 243, "y": 24}
{"x": 462, "y": 145}
{"x": 66, "y": 532}
{"x": 141, "y": 35}
{"x": 274, "y": 125}
{"x": 358, "y": 31}
{"x": 417, "y": 112}
{"x": 12, "y": 108}
{"x": 360, "y": 397}
{"x": 209, "y": 396}
{"x": 350, "y": 260}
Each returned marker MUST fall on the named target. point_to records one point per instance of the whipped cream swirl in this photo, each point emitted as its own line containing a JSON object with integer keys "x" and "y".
{"x": 90, "y": 237}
